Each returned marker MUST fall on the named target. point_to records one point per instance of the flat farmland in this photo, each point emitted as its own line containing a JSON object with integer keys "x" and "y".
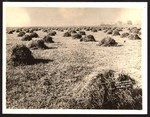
{"x": 54, "y": 80}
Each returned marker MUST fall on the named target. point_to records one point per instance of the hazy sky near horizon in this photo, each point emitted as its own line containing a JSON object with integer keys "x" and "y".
{"x": 41, "y": 16}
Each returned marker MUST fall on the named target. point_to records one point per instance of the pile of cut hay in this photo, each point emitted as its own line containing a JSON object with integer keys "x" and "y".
{"x": 124, "y": 35}
{"x": 21, "y": 55}
{"x": 48, "y": 39}
{"x": 76, "y": 36}
{"x": 134, "y": 36}
{"x": 108, "y": 41}
{"x": 52, "y": 33}
{"x": 26, "y": 38}
{"x": 88, "y": 38}
{"x": 34, "y": 35}
{"x": 20, "y": 34}
{"x": 115, "y": 33}
{"x": 67, "y": 34}
{"x": 37, "y": 44}
{"x": 98, "y": 91}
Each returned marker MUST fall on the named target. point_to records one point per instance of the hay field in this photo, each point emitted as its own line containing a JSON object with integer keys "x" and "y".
{"x": 62, "y": 70}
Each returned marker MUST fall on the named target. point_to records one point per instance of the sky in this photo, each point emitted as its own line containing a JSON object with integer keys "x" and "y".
{"x": 41, "y": 16}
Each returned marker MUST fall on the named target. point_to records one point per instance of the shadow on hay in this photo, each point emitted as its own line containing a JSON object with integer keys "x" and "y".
{"x": 37, "y": 61}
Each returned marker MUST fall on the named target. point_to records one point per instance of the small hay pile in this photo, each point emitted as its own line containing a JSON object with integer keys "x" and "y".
{"x": 26, "y": 38}
{"x": 76, "y": 36}
{"x": 108, "y": 41}
{"x": 11, "y": 31}
{"x": 124, "y": 35}
{"x": 82, "y": 33}
{"x": 109, "y": 32}
{"x": 134, "y": 36}
{"x": 34, "y": 35}
{"x": 37, "y": 44}
{"x": 134, "y": 30}
{"x": 20, "y": 34}
{"x": 115, "y": 33}
{"x": 48, "y": 39}
{"x": 88, "y": 38}
{"x": 21, "y": 55}
{"x": 52, "y": 33}
{"x": 67, "y": 34}
{"x": 94, "y": 30}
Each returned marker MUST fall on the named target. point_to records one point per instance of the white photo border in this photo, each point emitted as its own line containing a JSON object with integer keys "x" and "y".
{"x": 142, "y": 5}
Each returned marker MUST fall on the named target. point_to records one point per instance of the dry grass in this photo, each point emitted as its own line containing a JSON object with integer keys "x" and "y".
{"x": 61, "y": 72}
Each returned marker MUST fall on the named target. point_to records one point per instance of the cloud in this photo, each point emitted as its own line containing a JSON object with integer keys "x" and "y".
{"x": 16, "y": 16}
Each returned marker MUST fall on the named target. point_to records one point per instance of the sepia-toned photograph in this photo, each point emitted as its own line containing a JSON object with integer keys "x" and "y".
{"x": 75, "y": 57}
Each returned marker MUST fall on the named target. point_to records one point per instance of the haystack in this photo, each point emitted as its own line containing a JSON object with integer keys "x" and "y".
{"x": 108, "y": 41}
{"x": 134, "y": 30}
{"x": 124, "y": 35}
{"x": 88, "y": 38}
{"x": 48, "y": 39}
{"x": 109, "y": 32}
{"x": 115, "y": 33}
{"x": 82, "y": 33}
{"x": 34, "y": 35}
{"x": 20, "y": 34}
{"x": 21, "y": 55}
{"x": 52, "y": 33}
{"x": 11, "y": 31}
{"x": 67, "y": 34}
{"x": 94, "y": 30}
{"x": 37, "y": 44}
{"x": 134, "y": 36}
{"x": 26, "y": 38}
{"x": 76, "y": 36}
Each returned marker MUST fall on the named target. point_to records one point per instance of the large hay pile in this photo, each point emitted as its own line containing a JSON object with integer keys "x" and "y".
{"x": 108, "y": 41}
{"x": 98, "y": 91}
{"x": 88, "y": 38}
{"x": 37, "y": 44}
{"x": 21, "y": 55}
